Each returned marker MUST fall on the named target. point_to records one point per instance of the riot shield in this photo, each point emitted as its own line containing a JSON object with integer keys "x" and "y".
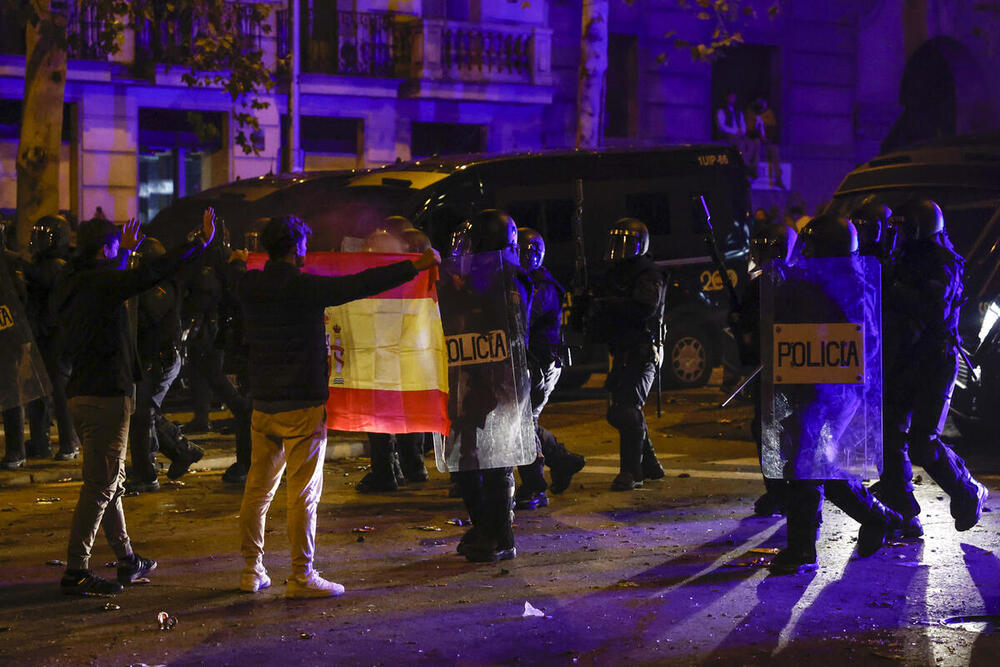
{"x": 22, "y": 372}
{"x": 488, "y": 385}
{"x": 821, "y": 394}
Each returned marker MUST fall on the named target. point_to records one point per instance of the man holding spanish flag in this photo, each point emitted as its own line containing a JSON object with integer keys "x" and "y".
{"x": 289, "y": 380}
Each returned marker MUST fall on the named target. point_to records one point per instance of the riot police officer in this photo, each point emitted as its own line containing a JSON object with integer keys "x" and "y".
{"x": 628, "y": 315}
{"x": 489, "y": 494}
{"x": 871, "y": 219}
{"x": 825, "y": 236}
{"x": 770, "y": 244}
{"x": 158, "y": 345}
{"x": 921, "y": 358}
{"x": 546, "y": 355}
{"x": 50, "y": 249}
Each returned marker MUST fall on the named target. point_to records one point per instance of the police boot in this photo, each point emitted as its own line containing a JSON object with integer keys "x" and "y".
{"x": 651, "y": 468}
{"x": 968, "y": 507}
{"x": 804, "y": 512}
{"x": 382, "y": 477}
{"x": 468, "y": 486}
{"x": 563, "y": 464}
{"x": 495, "y": 539}
{"x": 531, "y": 494}
{"x": 879, "y": 525}
{"x": 630, "y": 477}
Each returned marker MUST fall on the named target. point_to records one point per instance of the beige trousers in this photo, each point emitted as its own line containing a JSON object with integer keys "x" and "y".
{"x": 296, "y": 439}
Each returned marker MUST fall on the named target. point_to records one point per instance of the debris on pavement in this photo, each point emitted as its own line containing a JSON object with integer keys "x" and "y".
{"x": 531, "y": 611}
{"x": 684, "y": 475}
{"x": 56, "y": 563}
{"x": 361, "y": 538}
{"x": 111, "y": 606}
{"x": 166, "y": 621}
{"x": 760, "y": 561}
{"x": 111, "y": 563}
{"x": 624, "y": 583}
{"x": 458, "y": 522}
{"x": 771, "y": 551}
{"x": 306, "y": 635}
{"x": 174, "y": 483}
{"x": 47, "y": 501}
{"x": 187, "y": 510}
{"x": 429, "y": 529}
{"x": 364, "y": 529}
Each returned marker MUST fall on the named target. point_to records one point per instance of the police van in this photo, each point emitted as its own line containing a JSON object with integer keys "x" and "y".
{"x": 961, "y": 174}
{"x": 657, "y": 186}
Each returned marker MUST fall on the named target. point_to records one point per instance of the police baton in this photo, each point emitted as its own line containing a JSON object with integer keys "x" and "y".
{"x": 701, "y": 211}
{"x": 742, "y": 386}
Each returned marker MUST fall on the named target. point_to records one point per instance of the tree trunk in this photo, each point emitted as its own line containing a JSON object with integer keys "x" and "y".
{"x": 41, "y": 122}
{"x": 593, "y": 72}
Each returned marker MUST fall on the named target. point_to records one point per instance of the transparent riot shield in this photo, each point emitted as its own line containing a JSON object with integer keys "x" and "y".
{"x": 22, "y": 372}
{"x": 488, "y": 385}
{"x": 821, "y": 388}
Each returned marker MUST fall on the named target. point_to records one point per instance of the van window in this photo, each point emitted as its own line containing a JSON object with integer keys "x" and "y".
{"x": 653, "y": 208}
{"x": 552, "y": 217}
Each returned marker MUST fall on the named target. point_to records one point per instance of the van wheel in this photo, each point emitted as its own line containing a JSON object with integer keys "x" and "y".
{"x": 686, "y": 358}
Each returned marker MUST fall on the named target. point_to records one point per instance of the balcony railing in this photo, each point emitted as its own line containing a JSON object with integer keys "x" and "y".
{"x": 387, "y": 44}
{"x": 344, "y": 42}
{"x": 480, "y": 52}
{"x": 172, "y": 39}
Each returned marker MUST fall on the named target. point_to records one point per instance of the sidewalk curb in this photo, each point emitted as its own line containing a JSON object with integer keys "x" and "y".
{"x": 335, "y": 450}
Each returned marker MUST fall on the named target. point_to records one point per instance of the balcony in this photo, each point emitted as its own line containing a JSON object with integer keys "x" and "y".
{"x": 408, "y": 47}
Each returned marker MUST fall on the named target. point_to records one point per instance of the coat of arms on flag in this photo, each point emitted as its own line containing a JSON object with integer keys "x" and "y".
{"x": 388, "y": 361}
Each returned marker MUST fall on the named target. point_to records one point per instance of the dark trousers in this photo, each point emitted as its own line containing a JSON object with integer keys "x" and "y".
{"x": 41, "y": 412}
{"x": 408, "y": 447}
{"x": 13, "y": 428}
{"x": 208, "y": 381}
{"x": 103, "y": 423}
{"x": 918, "y": 396}
{"x": 805, "y": 507}
{"x": 489, "y": 498}
{"x": 633, "y": 371}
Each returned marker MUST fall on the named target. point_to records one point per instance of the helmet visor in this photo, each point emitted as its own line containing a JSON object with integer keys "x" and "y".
{"x": 622, "y": 244}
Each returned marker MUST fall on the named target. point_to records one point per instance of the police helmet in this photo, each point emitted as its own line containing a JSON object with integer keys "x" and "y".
{"x": 870, "y": 219}
{"x": 50, "y": 233}
{"x": 770, "y": 242}
{"x": 918, "y": 219}
{"x": 382, "y": 240}
{"x": 416, "y": 240}
{"x": 627, "y": 238}
{"x": 396, "y": 224}
{"x": 489, "y": 230}
{"x": 282, "y": 234}
{"x": 828, "y": 235}
{"x": 532, "y": 248}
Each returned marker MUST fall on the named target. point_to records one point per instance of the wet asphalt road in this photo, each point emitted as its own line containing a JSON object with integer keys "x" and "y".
{"x": 662, "y": 575}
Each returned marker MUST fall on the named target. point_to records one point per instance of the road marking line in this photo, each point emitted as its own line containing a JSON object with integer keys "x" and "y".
{"x": 748, "y": 461}
{"x": 674, "y": 472}
{"x": 615, "y": 457}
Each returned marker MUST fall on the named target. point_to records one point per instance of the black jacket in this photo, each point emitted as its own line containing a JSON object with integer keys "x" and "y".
{"x": 283, "y": 311}
{"x": 629, "y": 311}
{"x": 545, "y": 328}
{"x": 98, "y": 338}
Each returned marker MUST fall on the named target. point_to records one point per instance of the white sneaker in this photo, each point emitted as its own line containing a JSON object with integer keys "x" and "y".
{"x": 313, "y": 586}
{"x": 254, "y": 579}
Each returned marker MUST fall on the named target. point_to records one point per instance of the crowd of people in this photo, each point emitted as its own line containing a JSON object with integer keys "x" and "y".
{"x": 752, "y": 128}
{"x": 122, "y": 297}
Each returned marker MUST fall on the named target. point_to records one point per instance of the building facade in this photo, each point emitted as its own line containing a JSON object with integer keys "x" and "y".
{"x": 384, "y": 80}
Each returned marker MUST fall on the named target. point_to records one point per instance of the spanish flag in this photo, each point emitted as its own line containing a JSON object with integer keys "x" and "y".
{"x": 388, "y": 363}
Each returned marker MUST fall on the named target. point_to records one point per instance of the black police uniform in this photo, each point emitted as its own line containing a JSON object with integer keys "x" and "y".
{"x": 628, "y": 315}
{"x": 545, "y": 354}
{"x": 813, "y": 407}
{"x": 46, "y": 269}
{"x": 923, "y": 302}
{"x": 158, "y": 342}
{"x": 13, "y": 418}
{"x": 489, "y": 494}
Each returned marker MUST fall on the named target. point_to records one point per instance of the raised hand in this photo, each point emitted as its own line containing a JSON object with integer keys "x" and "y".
{"x": 429, "y": 258}
{"x": 208, "y": 226}
{"x": 132, "y": 235}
